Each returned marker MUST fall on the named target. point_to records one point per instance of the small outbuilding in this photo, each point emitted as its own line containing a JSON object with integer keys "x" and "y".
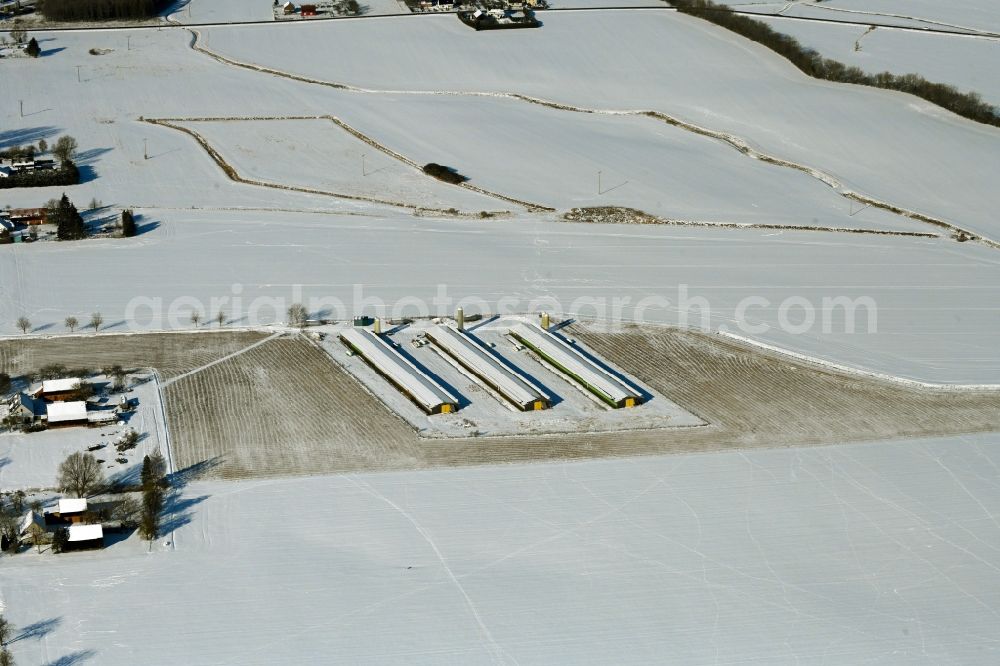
{"x": 61, "y": 414}
{"x": 308, "y": 10}
{"x": 288, "y": 8}
{"x": 28, "y": 216}
{"x": 85, "y": 537}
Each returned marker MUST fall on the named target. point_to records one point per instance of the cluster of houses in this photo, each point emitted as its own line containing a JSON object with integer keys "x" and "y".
{"x": 21, "y": 223}
{"x": 54, "y": 403}
{"x": 289, "y": 10}
{"x": 496, "y": 8}
{"x": 12, "y": 168}
{"x": 81, "y": 522}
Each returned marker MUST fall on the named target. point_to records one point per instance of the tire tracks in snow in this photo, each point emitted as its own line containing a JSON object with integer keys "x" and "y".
{"x": 741, "y": 145}
{"x": 497, "y": 652}
{"x": 939, "y": 24}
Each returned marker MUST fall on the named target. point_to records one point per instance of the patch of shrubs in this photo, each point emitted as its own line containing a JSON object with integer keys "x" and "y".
{"x": 968, "y": 105}
{"x": 67, "y": 174}
{"x": 447, "y": 174}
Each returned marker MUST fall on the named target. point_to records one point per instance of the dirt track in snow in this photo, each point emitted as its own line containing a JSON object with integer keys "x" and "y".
{"x": 285, "y": 408}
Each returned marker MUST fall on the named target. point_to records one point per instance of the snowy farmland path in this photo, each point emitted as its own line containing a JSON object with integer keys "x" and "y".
{"x": 221, "y": 360}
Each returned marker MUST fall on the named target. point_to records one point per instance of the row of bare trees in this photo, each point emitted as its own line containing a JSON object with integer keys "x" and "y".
{"x": 297, "y": 316}
{"x": 72, "y": 323}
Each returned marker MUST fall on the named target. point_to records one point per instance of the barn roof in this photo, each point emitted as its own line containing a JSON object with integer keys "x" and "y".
{"x": 60, "y": 412}
{"x": 73, "y": 505}
{"x": 487, "y": 366}
{"x": 85, "y": 532}
{"x": 576, "y": 364}
{"x": 418, "y": 384}
{"x": 60, "y": 385}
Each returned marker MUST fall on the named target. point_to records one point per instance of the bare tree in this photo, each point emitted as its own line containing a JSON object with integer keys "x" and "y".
{"x": 6, "y": 630}
{"x": 71, "y": 323}
{"x": 127, "y": 512}
{"x": 80, "y": 474}
{"x": 297, "y": 315}
{"x": 65, "y": 148}
{"x": 6, "y": 658}
{"x": 37, "y": 535}
{"x": 195, "y": 318}
{"x": 24, "y": 324}
{"x": 42, "y": 145}
{"x": 96, "y": 320}
{"x": 220, "y": 318}
{"x": 18, "y": 33}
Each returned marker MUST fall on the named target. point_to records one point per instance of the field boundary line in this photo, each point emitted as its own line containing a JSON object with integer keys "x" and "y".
{"x": 235, "y": 176}
{"x": 850, "y": 370}
{"x": 743, "y": 146}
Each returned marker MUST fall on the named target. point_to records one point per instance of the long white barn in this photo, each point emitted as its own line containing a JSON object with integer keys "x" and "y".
{"x": 484, "y": 364}
{"x": 386, "y": 359}
{"x": 567, "y": 359}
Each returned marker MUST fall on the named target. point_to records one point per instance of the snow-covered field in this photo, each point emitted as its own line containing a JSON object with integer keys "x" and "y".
{"x": 888, "y": 145}
{"x": 566, "y": 160}
{"x": 968, "y": 63}
{"x": 967, "y": 15}
{"x": 318, "y": 154}
{"x": 32, "y": 460}
{"x": 880, "y": 553}
{"x": 938, "y": 306}
{"x": 858, "y": 553}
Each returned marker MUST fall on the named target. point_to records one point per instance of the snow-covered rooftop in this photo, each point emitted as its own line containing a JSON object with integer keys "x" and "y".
{"x": 101, "y": 417}
{"x": 73, "y": 505}
{"x": 59, "y": 412}
{"x": 484, "y": 363}
{"x": 60, "y": 385}
{"x": 431, "y": 395}
{"x": 579, "y": 366}
{"x": 85, "y": 532}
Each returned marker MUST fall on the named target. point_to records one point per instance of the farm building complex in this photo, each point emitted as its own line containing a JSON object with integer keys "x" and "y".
{"x": 484, "y": 364}
{"x": 408, "y": 378}
{"x": 577, "y": 366}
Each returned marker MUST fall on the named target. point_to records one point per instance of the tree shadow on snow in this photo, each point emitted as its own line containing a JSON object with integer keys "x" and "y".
{"x": 127, "y": 477}
{"x": 181, "y": 478}
{"x": 113, "y": 536}
{"x": 174, "y": 7}
{"x": 176, "y": 511}
{"x": 37, "y": 630}
{"x": 85, "y": 163}
{"x": 73, "y": 658}
{"x": 90, "y": 155}
{"x": 48, "y": 52}
{"x": 20, "y": 137}
{"x": 142, "y": 226}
